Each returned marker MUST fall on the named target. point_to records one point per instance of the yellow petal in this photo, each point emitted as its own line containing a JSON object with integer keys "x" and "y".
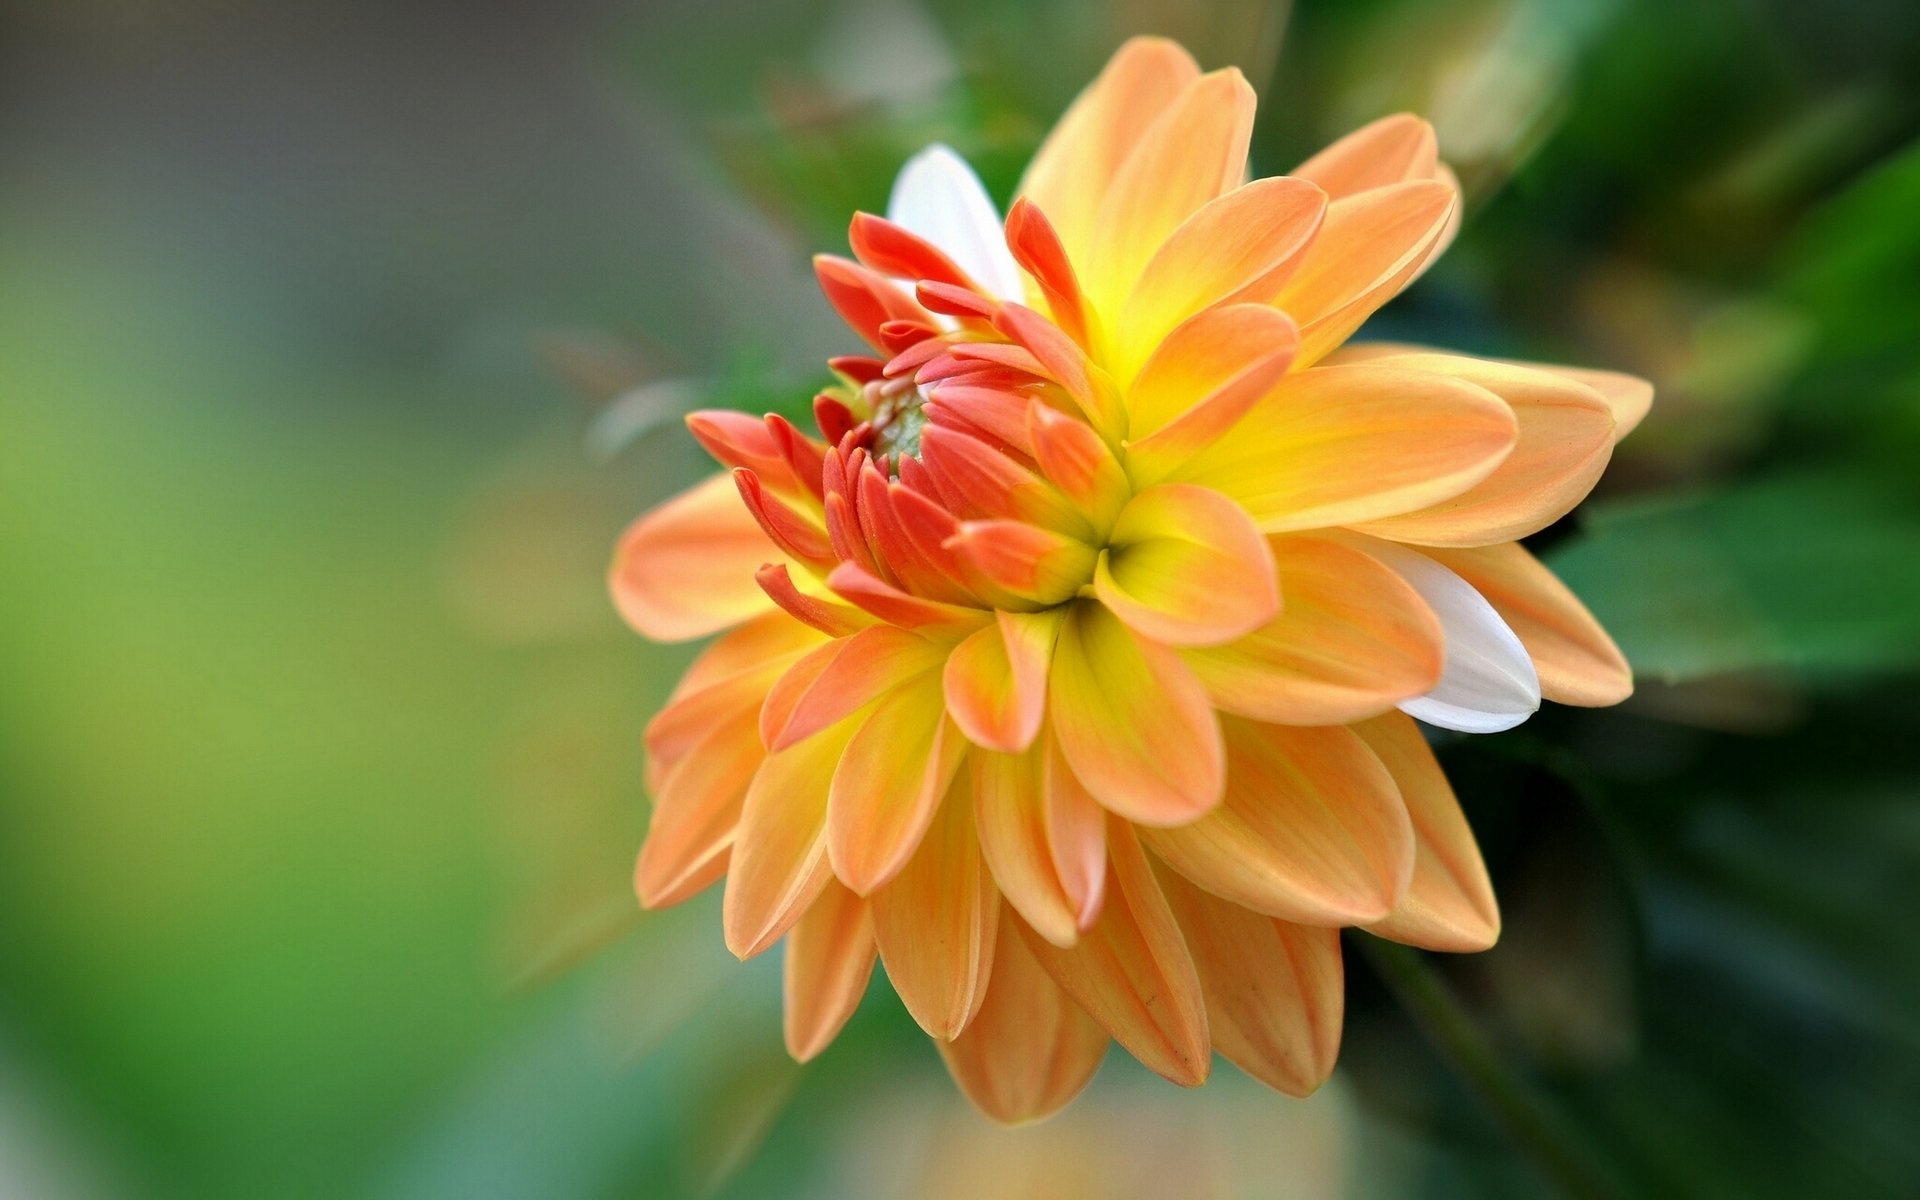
{"x": 829, "y": 960}
{"x": 936, "y": 921}
{"x": 1075, "y": 167}
{"x": 996, "y": 679}
{"x": 1369, "y": 247}
{"x": 1449, "y": 904}
{"x": 779, "y": 863}
{"x": 686, "y": 569}
{"x": 1353, "y": 640}
{"x": 1312, "y": 829}
{"x": 1202, "y": 379}
{"x": 695, "y": 812}
{"x": 1044, "y": 839}
{"x": 1186, "y": 566}
{"x": 1338, "y": 445}
{"x": 1565, "y": 437}
{"x": 1275, "y": 991}
{"x": 1132, "y": 722}
{"x": 1239, "y": 247}
{"x": 1392, "y": 150}
{"x": 1578, "y": 663}
{"x": 1031, "y": 1049}
{"x": 1131, "y": 971}
{"x": 1195, "y": 151}
{"x": 889, "y": 782}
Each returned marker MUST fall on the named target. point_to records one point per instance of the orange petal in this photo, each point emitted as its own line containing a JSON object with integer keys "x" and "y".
{"x": 1391, "y": 150}
{"x": 1187, "y": 567}
{"x": 1075, "y": 167}
{"x": 1131, "y": 971}
{"x": 1275, "y": 991}
{"x": 1132, "y": 721}
{"x": 1075, "y": 459}
{"x": 695, "y": 812}
{"x": 1312, "y": 829}
{"x": 1204, "y": 377}
{"x": 841, "y": 677}
{"x": 1239, "y": 247}
{"x": 1037, "y": 247}
{"x": 1044, "y": 838}
{"x": 1031, "y": 1049}
{"x": 936, "y": 922}
{"x": 1578, "y": 663}
{"x": 1369, "y": 247}
{"x": 1565, "y": 436}
{"x": 686, "y": 569}
{"x": 1629, "y": 398}
{"x": 996, "y": 680}
{"x": 1039, "y": 565}
{"x": 1353, "y": 640}
{"x": 894, "y": 606}
{"x": 829, "y": 960}
{"x": 865, "y": 299}
{"x": 826, "y": 616}
{"x": 1337, "y": 445}
{"x": 889, "y": 782}
{"x": 1449, "y": 904}
{"x": 1195, "y": 151}
{"x": 779, "y": 862}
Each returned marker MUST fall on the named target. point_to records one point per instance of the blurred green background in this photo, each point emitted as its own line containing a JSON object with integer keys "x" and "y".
{"x": 338, "y": 341}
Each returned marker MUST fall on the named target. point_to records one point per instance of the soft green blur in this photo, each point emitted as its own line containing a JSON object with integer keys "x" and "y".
{"x": 339, "y": 340}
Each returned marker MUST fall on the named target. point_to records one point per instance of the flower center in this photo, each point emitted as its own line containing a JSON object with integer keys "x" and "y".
{"x": 898, "y": 418}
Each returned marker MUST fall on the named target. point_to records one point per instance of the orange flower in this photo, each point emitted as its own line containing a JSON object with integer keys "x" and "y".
{"x": 1072, "y": 667}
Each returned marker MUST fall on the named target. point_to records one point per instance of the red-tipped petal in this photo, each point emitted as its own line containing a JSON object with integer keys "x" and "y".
{"x": 827, "y": 616}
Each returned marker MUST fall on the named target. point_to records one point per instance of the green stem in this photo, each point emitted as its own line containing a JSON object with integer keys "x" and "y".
{"x": 1526, "y": 1116}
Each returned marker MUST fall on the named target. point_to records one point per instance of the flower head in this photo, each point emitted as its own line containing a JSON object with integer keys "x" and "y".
{"x": 1072, "y": 666}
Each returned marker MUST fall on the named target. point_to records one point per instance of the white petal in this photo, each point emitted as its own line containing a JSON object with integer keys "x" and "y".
{"x": 938, "y": 196}
{"x": 1489, "y": 682}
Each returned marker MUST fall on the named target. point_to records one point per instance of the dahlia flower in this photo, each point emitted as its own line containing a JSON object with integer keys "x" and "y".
{"x": 1072, "y": 668}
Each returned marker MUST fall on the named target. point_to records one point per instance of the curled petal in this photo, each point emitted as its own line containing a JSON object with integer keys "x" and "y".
{"x": 830, "y": 953}
{"x": 1353, "y": 640}
{"x": 796, "y": 537}
{"x": 1275, "y": 991}
{"x": 936, "y": 922}
{"x": 1489, "y": 683}
{"x": 827, "y": 616}
{"x": 1075, "y": 167}
{"x": 1563, "y": 442}
{"x": 745, "y": 442}
{"x": 1237, "y": 248}
{"x": 1077, "y": 461}
{"x": 1576, "y": 660}
{"x": 1187, "y": 567}
{"x": 1392, "y": 150}
{"x": 1449, "y": 903}
{"x": 865, "y": 299}
{"x": 1294, "y": 461}
{"x": 686, "y": 569}
{"x": 890, "y": 604}
{"x": 1312, "y": 829}
{"x": 1132, "y": 721}
{"x": 1131, "y": 971}
{"x": 1037, "y": 248}
{"x": 996, "y": 679}
{"x": 888, "y": 784}
{"x": 938, "y": 197}
{"x": 1037, "y": 564}
{"x": 1030, "y": 1049}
